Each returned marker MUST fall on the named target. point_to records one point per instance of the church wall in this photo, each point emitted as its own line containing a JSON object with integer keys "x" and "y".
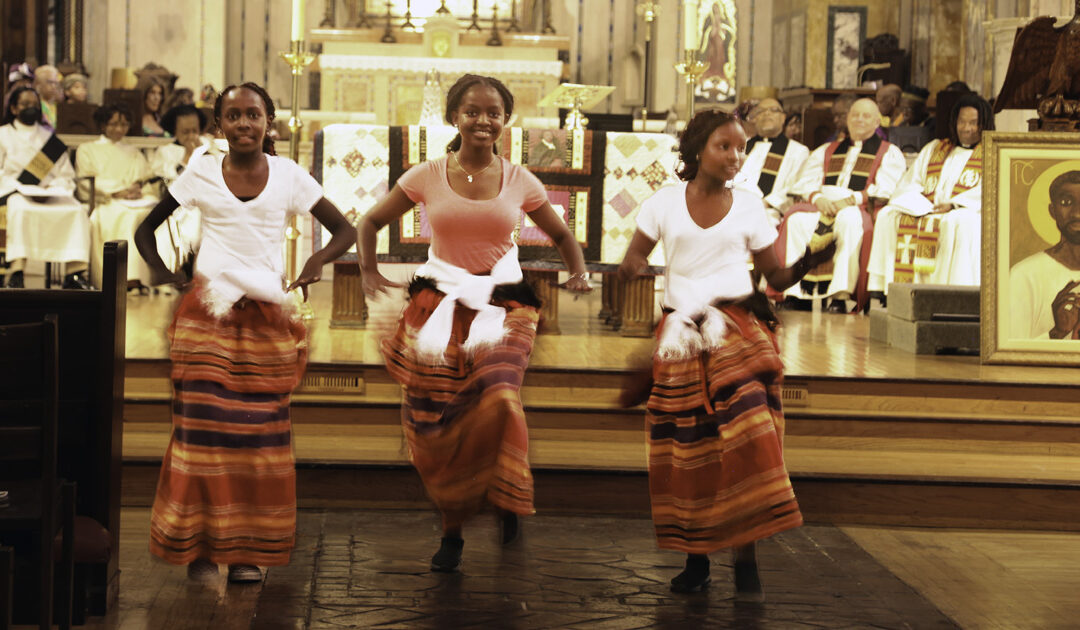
{"x": 946, "y": 18}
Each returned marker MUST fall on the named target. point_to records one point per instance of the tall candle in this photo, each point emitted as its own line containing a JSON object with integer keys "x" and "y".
{"x": 297, "y": 20}
{"x": 690, "y": 24}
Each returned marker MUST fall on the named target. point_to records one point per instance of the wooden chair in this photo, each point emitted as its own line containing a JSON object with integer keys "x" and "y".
{"x": 29, "y": 401}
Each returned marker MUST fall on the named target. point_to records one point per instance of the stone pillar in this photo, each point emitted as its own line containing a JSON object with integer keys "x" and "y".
{"x": 545, "y": 283}
{"x": 638, "y": 300}
{"x": 349, "y": 308}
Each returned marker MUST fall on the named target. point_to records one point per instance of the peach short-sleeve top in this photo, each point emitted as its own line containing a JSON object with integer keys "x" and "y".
{"x": 472, "y": 234}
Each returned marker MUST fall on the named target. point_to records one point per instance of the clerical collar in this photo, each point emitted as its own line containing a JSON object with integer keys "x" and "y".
{"x": 971, "y": 147}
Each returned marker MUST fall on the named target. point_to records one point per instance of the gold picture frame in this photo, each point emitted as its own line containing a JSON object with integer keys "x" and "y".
{"x": 1022, "y": 249}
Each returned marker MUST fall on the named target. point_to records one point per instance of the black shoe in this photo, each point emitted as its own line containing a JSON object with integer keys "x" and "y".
{"x": 15, "y": 280}
{"x": 694, "y": 578}
{"x": 880, "y": 297}
{"x": 509, "y": 528}
{"x": 747, "y": 582}
{"x": 448, "y": 558}
{"x": 792, "y": 303}
{"x": 837, "y": 306}
{"x": 77, "y": 281}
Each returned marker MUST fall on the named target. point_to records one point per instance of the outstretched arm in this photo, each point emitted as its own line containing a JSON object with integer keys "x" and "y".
{"x": 781, "y": 278}
{"x": 147, "y": 244}
{"x": 342, "y": 237}
{"x": 389, "y": 208}
{"x": 552, "y": 224}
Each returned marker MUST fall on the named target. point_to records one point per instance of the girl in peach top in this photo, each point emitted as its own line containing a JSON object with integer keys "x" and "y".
{"x": 463, "y": 343}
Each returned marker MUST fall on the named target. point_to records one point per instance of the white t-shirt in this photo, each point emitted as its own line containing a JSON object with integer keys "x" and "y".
{"x": 705, "y": 264}
{"x": 241, "y": 251}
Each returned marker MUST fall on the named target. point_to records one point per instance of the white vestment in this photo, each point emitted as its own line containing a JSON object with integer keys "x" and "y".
{"x": 960, "y": 229}
{"x": 116, "y": 166}
{"x": 777, "y": 200}
{"x": 53, "y": 229}
{"x": 1034, "y": 282}
{"x": 848, "y": 226}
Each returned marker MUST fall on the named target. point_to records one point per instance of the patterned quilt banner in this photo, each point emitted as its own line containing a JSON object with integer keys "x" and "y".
{"x": 595, "y": 180}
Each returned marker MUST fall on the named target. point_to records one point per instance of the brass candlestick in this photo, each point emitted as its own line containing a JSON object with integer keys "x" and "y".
{"x": 548, "y": 28}
{"x": 388, "y": 34}
{"x": 329, "y": 8}
{"x": 407, "y": 24}
{"x": 475, "y": 24}
{"x": 494, "y": 40}
{"x": 297, "y": 60}
{"x": 649, "y": 10}
{"x": 691, "y": 68}
{"x": 513, "y": 27}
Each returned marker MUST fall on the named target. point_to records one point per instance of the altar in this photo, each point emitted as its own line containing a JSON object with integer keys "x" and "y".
{"x": 361, "y": 73}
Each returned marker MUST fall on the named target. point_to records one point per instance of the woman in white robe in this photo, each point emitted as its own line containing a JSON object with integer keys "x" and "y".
{"x": 185, "y": 123}
{"x": 123, "y": 198}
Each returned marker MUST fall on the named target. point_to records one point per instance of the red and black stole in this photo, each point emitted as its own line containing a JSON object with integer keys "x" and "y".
{"x": 32, "y": 175}
{"x": 917, "y": 237}
{"x": 862, "y": 175}
{"x": 778, "y": 147}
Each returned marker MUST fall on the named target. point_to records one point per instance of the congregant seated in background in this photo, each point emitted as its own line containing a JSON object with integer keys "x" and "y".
{"x": 839, "y": 109}
{"x": 888, "y": 99}
{"x": 123, "y": 199}
{"x": 49, "y": 222}
{"x": 793, "y": 126}
{"x": 153, "y": 100}
{"x": 931, "y": 229}
{"x": 840, "y": 180}
{"x": 912, "y": 108}
{"x": 772, "y": 159}
{"x": 47, "y": 85}
{"x": 185, "y": 123}
{"x": 74, "y": 88}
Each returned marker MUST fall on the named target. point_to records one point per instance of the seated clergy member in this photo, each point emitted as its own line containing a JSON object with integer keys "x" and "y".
{"x": 1044, "y": 288}
{"x": 839, "y": 180}
{"x": 930, "y": 231}
{"x": 120, "y": 172}
{"x": 772, "y": 160}
{"x": 52, "y": 226}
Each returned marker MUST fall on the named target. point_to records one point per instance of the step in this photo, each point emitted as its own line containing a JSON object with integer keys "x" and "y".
{"x": 924, "y": 302}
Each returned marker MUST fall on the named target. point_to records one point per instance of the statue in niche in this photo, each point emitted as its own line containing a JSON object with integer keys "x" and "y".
{"x": 1044, "y": 73}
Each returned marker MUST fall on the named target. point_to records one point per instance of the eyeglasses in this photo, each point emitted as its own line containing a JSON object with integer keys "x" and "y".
{"x": 769, "y": 110}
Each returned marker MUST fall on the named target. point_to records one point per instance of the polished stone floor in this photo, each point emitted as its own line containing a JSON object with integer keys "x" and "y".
{"x": 370, "y": 569}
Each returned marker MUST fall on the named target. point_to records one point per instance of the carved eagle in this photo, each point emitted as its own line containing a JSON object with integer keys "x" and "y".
{"x": 1045, "y": 64}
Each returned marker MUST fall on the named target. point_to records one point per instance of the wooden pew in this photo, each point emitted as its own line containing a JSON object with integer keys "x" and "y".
{"x": 91, "y": 345}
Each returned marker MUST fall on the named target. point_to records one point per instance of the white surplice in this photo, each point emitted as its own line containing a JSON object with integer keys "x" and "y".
{"x": 848, "y": 226}
{"x": 777, "y": 200}
{"x": 960, "y": 229}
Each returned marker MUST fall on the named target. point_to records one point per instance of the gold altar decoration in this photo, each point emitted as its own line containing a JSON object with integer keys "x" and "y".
{"x": 691, "y": 68}
{"x": 441, "y": 36}
{"x": 576, "y": 97}
{"x": 297, "y": 60}
{"x": 647, "y": 10}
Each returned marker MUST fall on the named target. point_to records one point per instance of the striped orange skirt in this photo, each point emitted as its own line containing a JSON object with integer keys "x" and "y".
{"x": 227, "y": 489}
{"x": 463, "y": 419}
{"x": 715, "y": 432}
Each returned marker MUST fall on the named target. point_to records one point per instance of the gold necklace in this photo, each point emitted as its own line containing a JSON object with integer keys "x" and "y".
{"x": 468, "y": 176}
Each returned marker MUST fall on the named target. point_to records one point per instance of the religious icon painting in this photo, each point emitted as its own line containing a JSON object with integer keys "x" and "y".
{"x": 719, "y": 26}
{"x": 549, "y": 150}
{"x": 1031, "y": 249}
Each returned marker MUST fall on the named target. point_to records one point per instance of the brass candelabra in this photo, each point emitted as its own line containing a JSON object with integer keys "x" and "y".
{"x": 297, "y": 59}
{"x": 495, "y": 39}
{"x": 691, "y": 68}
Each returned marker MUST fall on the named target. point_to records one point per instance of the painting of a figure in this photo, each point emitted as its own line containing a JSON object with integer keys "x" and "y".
{"x": 717, "y": 46}
{"x": 1031, "y": 253}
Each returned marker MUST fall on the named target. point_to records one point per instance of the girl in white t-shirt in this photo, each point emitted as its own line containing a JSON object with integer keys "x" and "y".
{"x": 227, "y": 490}
{"x": 716, "y": 472}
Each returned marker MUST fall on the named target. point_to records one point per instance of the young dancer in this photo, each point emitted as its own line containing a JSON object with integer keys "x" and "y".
{"x": 462, "y": 345}
{"x": 715, "y": 426}
{"x": 227, "y": 490}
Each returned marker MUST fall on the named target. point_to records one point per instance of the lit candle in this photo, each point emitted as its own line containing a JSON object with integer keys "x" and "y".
{"x": 690, "y": 24}
{"x": 297, "y": 20}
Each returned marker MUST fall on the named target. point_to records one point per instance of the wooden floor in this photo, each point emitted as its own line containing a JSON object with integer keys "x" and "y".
{"x": 812, "y": 344}
{"x": 982, "y": 580}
